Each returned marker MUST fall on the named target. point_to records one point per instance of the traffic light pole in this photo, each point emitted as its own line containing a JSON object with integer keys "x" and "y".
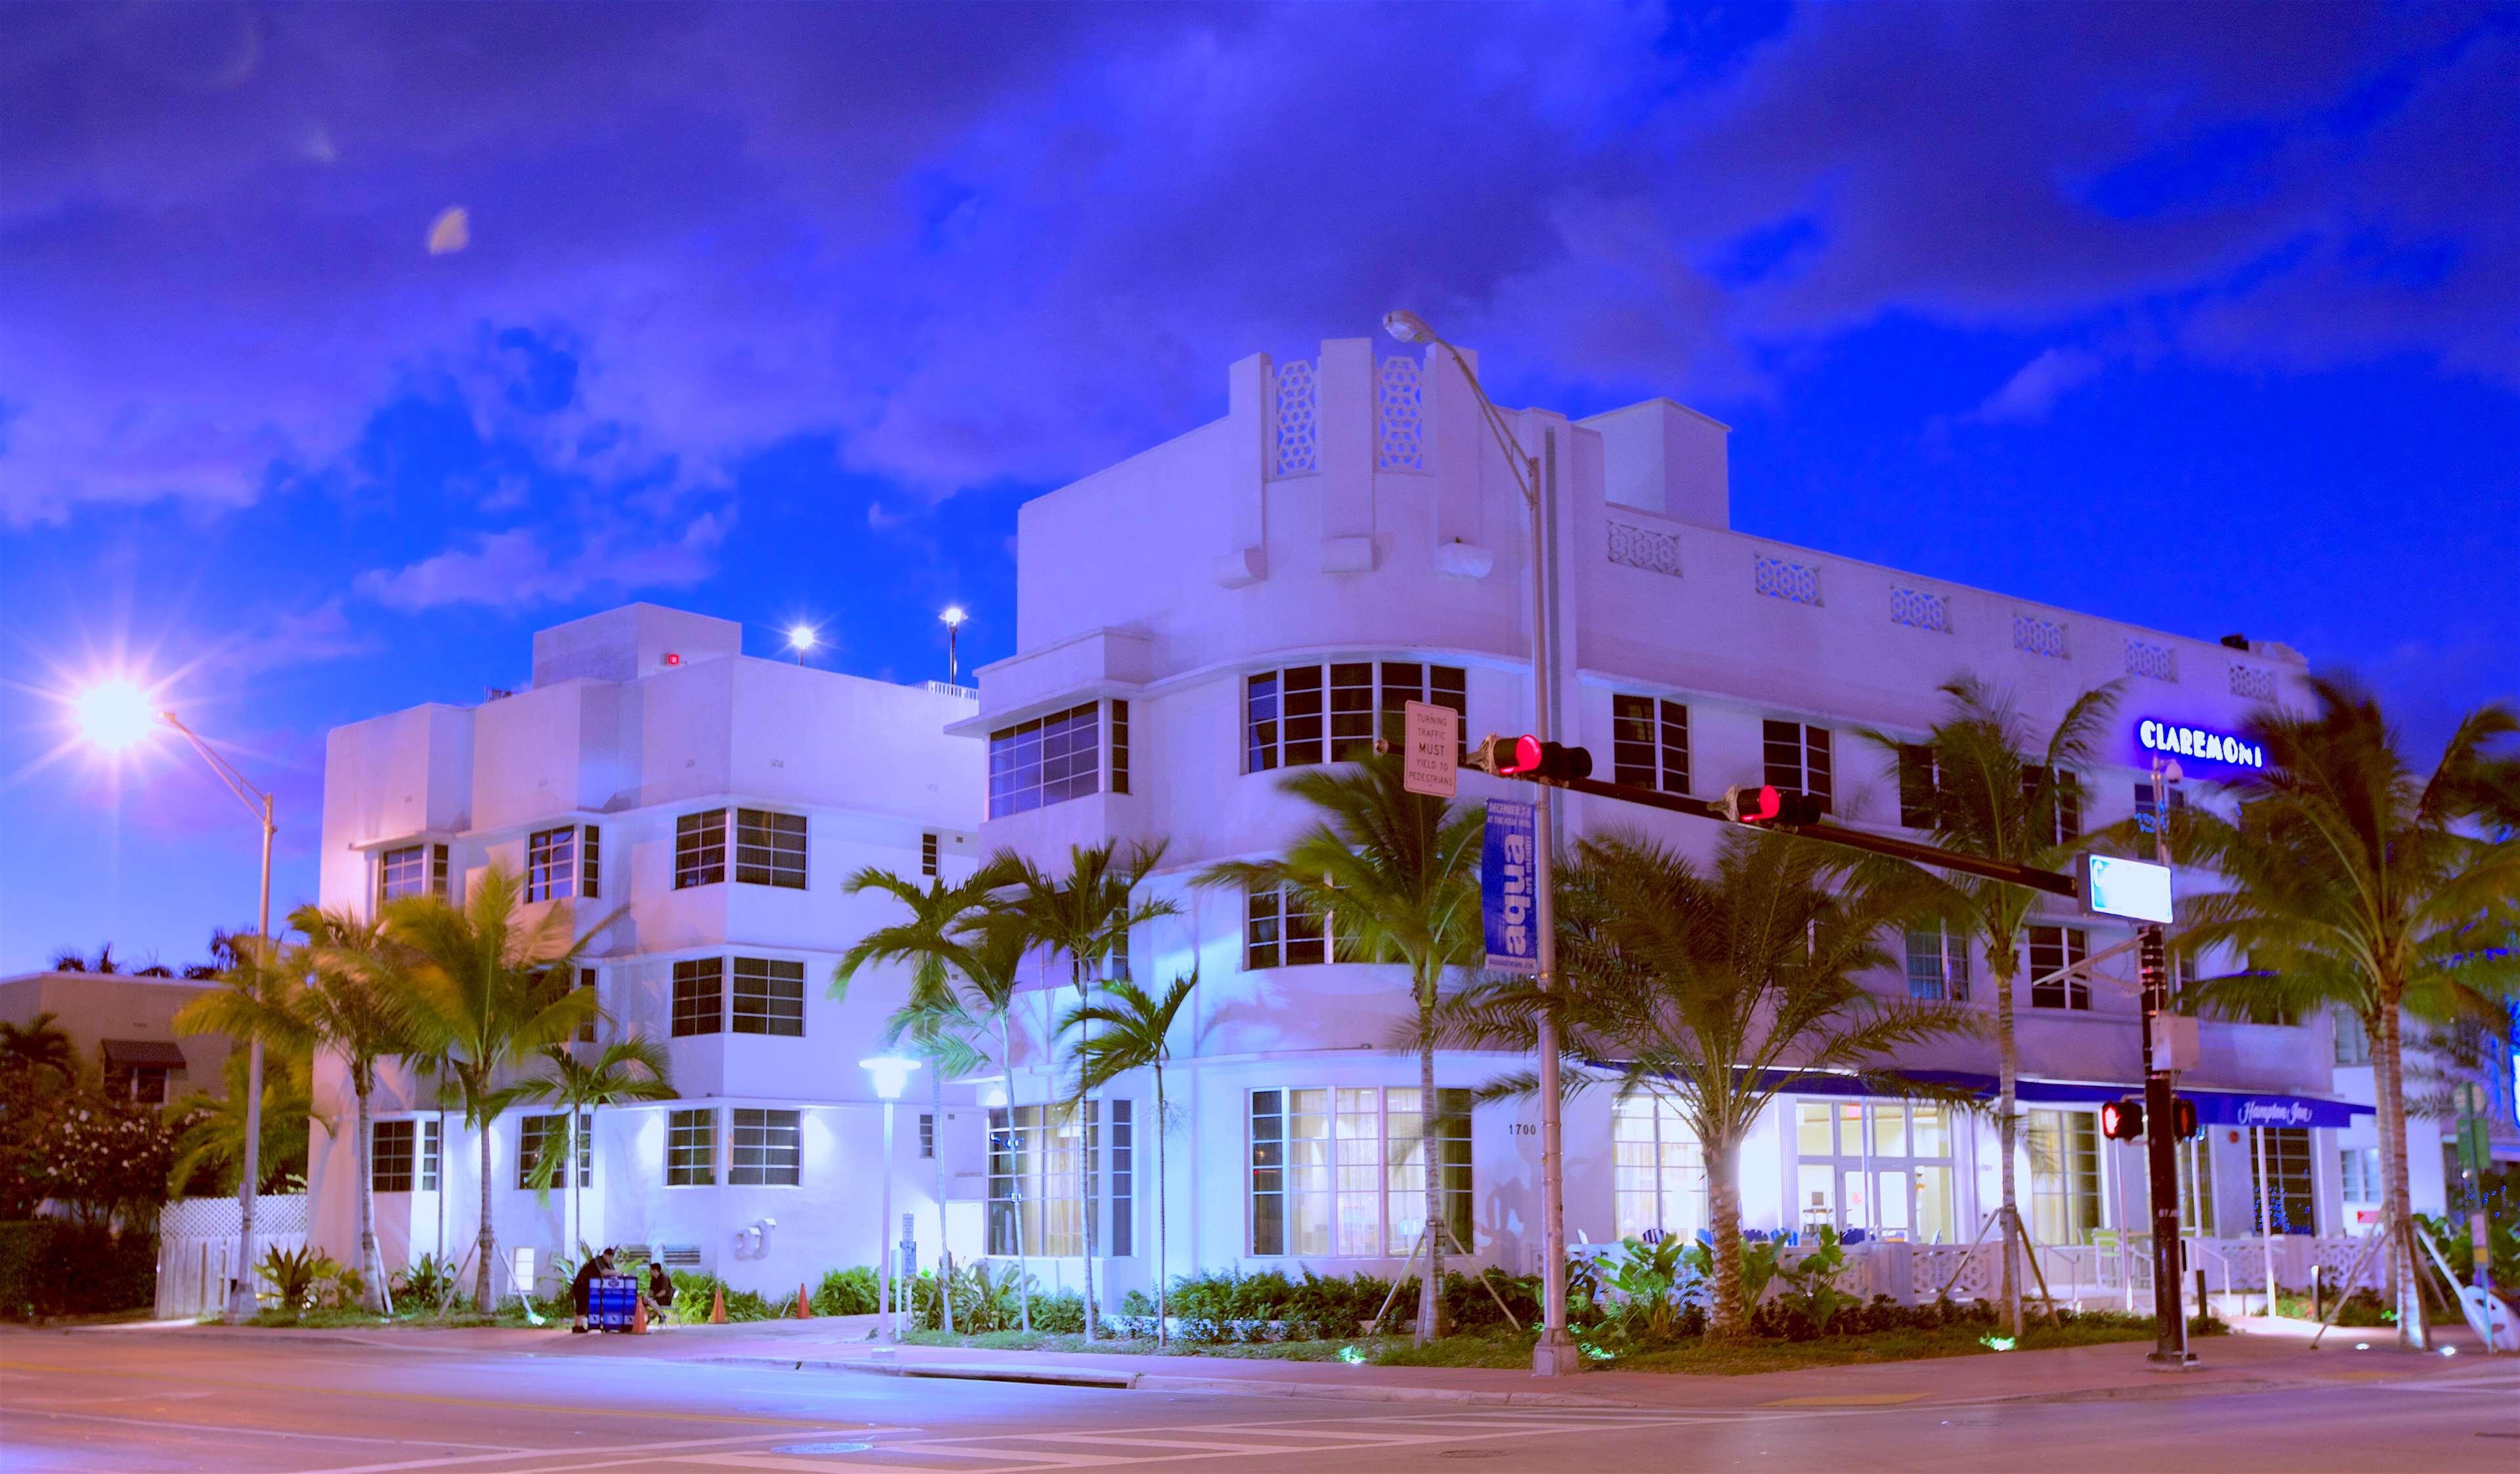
{"x": 2161, "y": 1159}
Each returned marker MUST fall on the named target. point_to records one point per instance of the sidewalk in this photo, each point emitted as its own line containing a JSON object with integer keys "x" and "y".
{"x": 2264, "y": 1354}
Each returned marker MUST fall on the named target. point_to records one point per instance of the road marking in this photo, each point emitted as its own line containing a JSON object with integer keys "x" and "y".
{"x": 19, "y": 1409}
{"x": 640, "y": 1453}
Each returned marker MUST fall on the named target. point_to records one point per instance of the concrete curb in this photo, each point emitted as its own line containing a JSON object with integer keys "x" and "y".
{"x": 1047, "y": 1376}
{"x": 1162, "y": 1381}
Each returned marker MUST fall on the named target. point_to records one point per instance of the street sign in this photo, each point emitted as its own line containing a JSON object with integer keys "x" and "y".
{"x": 1507, "y": 888}
{"x": 1430, "y": 764}
{"x": 2129, "y": 888}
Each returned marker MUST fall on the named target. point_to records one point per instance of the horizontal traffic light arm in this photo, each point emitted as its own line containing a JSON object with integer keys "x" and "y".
{"x": 2049, "y": 881}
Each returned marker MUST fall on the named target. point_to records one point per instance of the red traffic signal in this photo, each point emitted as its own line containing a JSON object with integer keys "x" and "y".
{"x": 1527, "y": 756}
{"x": 1770, "y": 804}
{"x": 2184, "y": 1123}
{"x": 2121, "y": 1119}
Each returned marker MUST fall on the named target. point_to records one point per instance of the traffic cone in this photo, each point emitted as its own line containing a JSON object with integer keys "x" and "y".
{"x": 639, "y": 1317}
{"x": 804, "y": 1307}
{"x": 717, "y": 1307}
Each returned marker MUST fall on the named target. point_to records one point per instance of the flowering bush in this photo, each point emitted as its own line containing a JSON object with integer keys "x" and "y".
{"x": 95, "y": 1155}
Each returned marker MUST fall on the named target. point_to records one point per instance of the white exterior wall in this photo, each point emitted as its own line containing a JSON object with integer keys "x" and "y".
{"x": 615, "y": 736}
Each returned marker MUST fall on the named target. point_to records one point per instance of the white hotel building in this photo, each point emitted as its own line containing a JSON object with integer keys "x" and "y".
{"x": 1241, "y": 599}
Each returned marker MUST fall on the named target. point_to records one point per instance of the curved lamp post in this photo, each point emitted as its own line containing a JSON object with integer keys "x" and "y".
{"x": 891, "y": 1073}
{"x": 953, "y": 619}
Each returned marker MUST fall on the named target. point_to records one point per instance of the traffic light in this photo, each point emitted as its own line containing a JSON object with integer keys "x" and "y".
{"x": 1528, "y": 756}
{"x": 2183, "y": 1123}
{"x": 1771, "y": 805}
{"x": 2122, "y": 1119}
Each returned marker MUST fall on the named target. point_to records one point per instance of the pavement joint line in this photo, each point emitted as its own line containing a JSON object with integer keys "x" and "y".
{"x": 19, "y": 1409}
{"x": 640, "y": 1452}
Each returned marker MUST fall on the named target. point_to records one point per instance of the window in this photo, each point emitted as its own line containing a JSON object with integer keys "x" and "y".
{"x": 1278, "y": 931}
{"x": 1342, "y": 1172}
{"x": 551, "y": 864}
{"x": 1649, "y": 743}
{"x": 2147, "y": 813}
{"x": 1921, "y": 785}
{"x": 2064, "y": 1150}
{"x": 698, "y": 985}
{"x": 541, "y": 1146}
{"x": 927, "y": 854}
{"x": 2353, "y": 1041}
{"x": 586, "y": 984}
{"x": 2195, "y": 1161}
{"x": 2287, "y": 1153}
{"x": 2052, "y": 949}
{"x": 429, "y": 1154}
{"x": 700, "y": 849}
{"x": 1120, "y": 1241}
{"x": 1938, "y": 967}
{"x": 1284, "y": 711}
{"x": 765, "y": 1148}
{"x": 144, "y": 1084}
{"x": 2359, "y": 1171}
{"x": 769, "y": 997}
{"x": 412, "y": 870}
{"x": 1036, "y": 1186}
{"x": 1119, "y": 747}
{"x": 1658, "y": 1172}
{"x": 2061, "y": 818}
{"x": 1047, "y": 760}
{"x": 926, "y": 1135}
{"x": 769, "y": 849}
{"x": 590, "y": 870}
{"x": 691, "y": 1148}
{"x": 1882, "y": 1166}
{"x": 1798, "y": 758}
{"x": 392, "y": 1146}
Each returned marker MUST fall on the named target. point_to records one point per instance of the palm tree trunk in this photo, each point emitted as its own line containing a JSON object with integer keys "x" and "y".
{"x": 936, "y": 1154}
{"x": 1163, "y": 1227}
{"x": 1024, "y": 1267}
{"x": 1430, "y": 1290}
{"x": 1089, "y": 1181}
{"x": 1727, "y": 1318}
{"x": 576, "y": 1214}
{"x": 444, "y": 1177}
{"x": 2396, "y": 1216}
{"x": 486, "y": 1245}
{"x": 369, "y": 1262}
{"x": 2007, "y": 1130}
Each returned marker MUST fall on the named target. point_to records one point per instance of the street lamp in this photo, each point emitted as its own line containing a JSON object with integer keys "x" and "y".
{"x": 1556, "y": 1352}
{"x": 953, "y": 618}
{"x": 801, "y": 639}
{"x": 115, "y": 715}
{"x": 891, "y": 1072}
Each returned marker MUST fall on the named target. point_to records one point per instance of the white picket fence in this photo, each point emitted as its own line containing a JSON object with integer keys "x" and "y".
{"x": 197, "y": 1241}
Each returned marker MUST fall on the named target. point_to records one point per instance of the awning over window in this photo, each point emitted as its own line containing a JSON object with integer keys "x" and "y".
{"x": 2214, "y": 1107}
{"x": 125, "y": 1053}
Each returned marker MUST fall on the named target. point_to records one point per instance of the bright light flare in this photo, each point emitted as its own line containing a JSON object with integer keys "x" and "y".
{"x": 802, "y": 638}
{"x": 115, "y": 715}
{"x": 952, "y": 615}
{"x": 891, "y": 1072}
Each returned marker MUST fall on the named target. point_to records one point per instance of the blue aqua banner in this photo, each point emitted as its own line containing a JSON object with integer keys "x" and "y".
{"x": 1506, "y": 888}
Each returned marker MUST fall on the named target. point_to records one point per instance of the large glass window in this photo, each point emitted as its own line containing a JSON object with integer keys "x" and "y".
{"x": 2052, "y": 949}
{"x": 700, "y": 986}
{"x": 1119, "y": 747}
{"x": 765, "y": 1148}
{"x": 2353, "y": 1041}
{"x": 1036, "y": 1178}
{"x": 1938, "y": 966}
{"x": 2064, "y": 1151}
{"x": 1658, "y": 1176}
{"x": 551, "y": 864}
{"x": 700, "y": 849}
{"x": 590, "y": 867}
{"x": 1797, "y": 757}
{"x": 691, "y": 1148}
{"x": 1278, "y": 931}
{"x": 1295, "y": 716}
{"x": 1047, "y": 760}
{"x": 1881, "y": 1165}
{"x": 1120, "y": 1241}
{"x": 769, "y": 997}
{"x": 1650, "y": 743}
{"x": 2285, "y": 1165}
{"x": 542, "y": 1150}
{"x": 1920, "y": 786}
{"x": 2062, "y": 819}
{"x": 1342, "y": 1172}
{"x": 769, "y": 849}
{"x": 392, "y": 1154}
{"x": 414, "y": 869}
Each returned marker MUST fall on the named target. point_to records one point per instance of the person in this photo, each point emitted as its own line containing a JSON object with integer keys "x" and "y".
{"x": 660, "y": 1291}
{"x": 583, "y": 1287}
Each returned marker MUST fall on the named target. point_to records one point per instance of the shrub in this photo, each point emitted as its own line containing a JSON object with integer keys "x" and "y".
{"x": 425, "y": 1284}
{"x": 55, "y": 1266}
{"x": 694, "y": 1291}
{"x": 1058, "y": 1315}
{"x": 295, "y": 1276}
{"x": 847, "y": 1292}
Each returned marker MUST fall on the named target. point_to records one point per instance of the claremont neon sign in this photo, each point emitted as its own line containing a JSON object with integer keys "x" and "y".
{"x": 2199, "y": 742}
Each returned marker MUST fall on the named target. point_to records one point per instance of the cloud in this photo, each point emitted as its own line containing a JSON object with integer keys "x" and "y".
{"x": 2035, "y": 388}
{"x": 520, "y": 569}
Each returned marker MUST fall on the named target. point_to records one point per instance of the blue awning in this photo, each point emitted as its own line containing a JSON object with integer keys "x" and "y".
{"x": 2214, "y": 1107}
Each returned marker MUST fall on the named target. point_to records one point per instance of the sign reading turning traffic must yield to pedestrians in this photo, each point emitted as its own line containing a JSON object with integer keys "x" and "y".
{"x": 1430, "y": 763}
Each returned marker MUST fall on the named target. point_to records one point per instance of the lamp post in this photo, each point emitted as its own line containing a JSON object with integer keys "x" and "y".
{"x": 801, "y": 639}
{"x": 953, "y": 618}
{"x": 1556, "y": 1352}
{"x": 117, "y": 715}
{"x": 891, "y": 1072}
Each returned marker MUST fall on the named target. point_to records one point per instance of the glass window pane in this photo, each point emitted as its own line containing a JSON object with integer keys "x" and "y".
{"x": 1812, "y": 1137}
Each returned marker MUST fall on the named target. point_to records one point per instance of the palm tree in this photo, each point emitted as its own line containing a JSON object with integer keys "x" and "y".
{"x": 1137, "y": 1034}
{"x": 491, "y": 990}
{"x": 1715, "y": 992}
{"x": 1395, "y": 875}
{"x": 932, "y": 943}
{"x": 355, "y": 1004}
{"x": 1086, "y": 913}
{"x": 1989, "y": 791}
{"x": 623, "y": 1071}
{"x": 2349, "y": 879}
{"x": 992, "y": 969}
{"x": 211, "y": 1130}
{"x": 38, "y": 1044}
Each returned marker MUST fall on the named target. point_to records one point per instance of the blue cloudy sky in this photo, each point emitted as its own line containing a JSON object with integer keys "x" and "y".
{"x": 2201, "y": 315}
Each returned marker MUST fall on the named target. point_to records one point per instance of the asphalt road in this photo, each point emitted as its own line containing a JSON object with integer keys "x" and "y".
{"x": 136, "y": 1402}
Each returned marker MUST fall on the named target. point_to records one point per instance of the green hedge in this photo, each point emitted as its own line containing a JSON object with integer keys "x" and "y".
{"x": 53, "y": 1267}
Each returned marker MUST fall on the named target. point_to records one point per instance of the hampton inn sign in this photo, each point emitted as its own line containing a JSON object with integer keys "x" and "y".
{"x": 2199, "y": 742}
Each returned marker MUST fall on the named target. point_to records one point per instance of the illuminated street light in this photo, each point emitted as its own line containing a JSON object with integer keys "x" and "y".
{"x": 801, "y": 639}
{"x": 891, "y": 1073}
{"x": 115, "y": 715}
{"x": 953, "y": 618}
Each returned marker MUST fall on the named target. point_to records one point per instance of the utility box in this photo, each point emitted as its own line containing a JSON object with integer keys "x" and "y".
{"x": 2175, "y": 1045}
